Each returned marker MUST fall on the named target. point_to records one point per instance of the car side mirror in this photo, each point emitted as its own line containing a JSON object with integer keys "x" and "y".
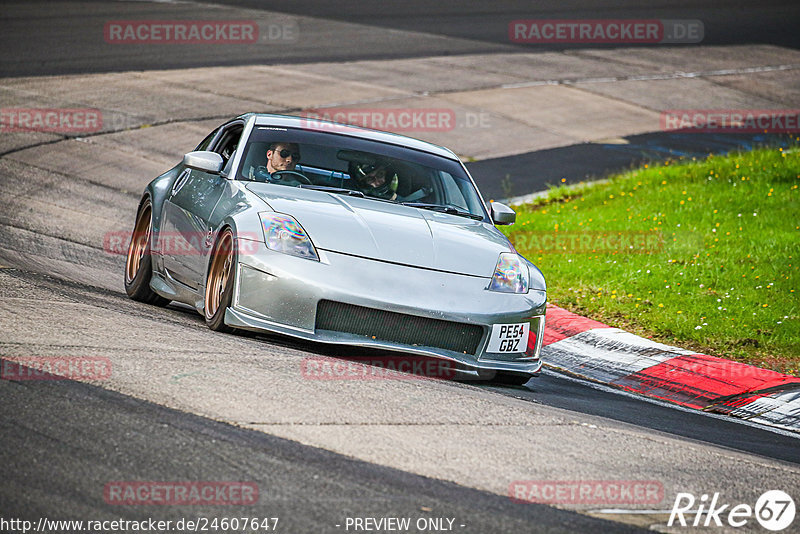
{"x": 203, "y": 160}
{"x": 502, "y": 214}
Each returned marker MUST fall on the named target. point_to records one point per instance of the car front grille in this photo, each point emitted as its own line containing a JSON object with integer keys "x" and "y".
{"x": 399, "y": 328}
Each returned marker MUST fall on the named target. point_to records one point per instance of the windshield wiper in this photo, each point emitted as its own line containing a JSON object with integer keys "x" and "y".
{"x": 329, "y": 189}
{"x": 452, "y": 210}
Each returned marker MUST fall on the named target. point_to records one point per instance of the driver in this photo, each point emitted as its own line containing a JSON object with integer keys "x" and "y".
{"x": 375, "y": 179}
{"x": 280, "y": 157}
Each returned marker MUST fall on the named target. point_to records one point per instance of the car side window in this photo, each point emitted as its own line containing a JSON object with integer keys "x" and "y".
{"x": 228, "y": 142}
{"x": 207, "y": 141}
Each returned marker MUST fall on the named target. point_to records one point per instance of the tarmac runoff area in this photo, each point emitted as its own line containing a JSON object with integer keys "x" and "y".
{"x": 481, "y": 106}
{"x": 519, "y": 120}
{"x": 432, "y": 428}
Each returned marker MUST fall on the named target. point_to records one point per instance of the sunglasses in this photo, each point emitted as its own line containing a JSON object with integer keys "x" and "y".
{"x": 285, "y": 153}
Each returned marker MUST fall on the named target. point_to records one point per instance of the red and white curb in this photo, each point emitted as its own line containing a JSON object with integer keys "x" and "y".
{"x": 598, "y": 352}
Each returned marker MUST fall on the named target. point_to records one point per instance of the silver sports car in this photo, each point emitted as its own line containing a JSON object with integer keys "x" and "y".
{"x": 339, "y": 234}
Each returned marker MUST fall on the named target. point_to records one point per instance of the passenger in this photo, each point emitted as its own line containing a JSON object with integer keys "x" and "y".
{"x": 375, "y": 180}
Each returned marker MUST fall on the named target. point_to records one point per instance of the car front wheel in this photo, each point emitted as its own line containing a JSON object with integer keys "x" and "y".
{"x": 219, "y": 283}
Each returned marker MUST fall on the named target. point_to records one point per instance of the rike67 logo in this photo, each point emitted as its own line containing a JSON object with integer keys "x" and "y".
{"x": 774, "y": 510}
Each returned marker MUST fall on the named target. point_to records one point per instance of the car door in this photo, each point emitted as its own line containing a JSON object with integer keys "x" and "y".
{"x": 186, "y": 232}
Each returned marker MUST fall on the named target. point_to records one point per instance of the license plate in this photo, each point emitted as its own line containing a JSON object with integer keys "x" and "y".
{"x": 509, "y": 338}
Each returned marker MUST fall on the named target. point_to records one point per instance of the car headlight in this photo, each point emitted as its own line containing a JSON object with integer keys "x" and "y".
{"x": 510, "y": 274}
{"x": 282, "y": 233}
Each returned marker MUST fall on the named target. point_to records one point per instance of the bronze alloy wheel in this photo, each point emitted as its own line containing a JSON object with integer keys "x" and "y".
{"x": 219, "y": 284}
{"x": 139, "y": 244}
{"x": 138, "y": 264}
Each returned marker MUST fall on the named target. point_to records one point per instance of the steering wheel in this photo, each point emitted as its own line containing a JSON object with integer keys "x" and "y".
{"x": 302, "y": 177}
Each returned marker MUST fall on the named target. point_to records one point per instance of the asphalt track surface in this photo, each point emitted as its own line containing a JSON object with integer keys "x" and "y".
{"x": 767, "y": 22}
{"x": 62, "y": 440}
{"x": 67, "y": 37}
{"x": 556, "y": 390}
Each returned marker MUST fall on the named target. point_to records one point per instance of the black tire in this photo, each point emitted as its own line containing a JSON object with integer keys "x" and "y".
{"x": 510, "y": 379}
{"x": 219, "y": 281}
{"x": 138, "y": 262}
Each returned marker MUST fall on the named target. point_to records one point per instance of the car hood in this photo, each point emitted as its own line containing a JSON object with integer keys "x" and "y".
{"x": 389, "y": 232}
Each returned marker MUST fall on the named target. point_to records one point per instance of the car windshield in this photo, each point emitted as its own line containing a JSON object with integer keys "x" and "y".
{"x": 342, "y": 164}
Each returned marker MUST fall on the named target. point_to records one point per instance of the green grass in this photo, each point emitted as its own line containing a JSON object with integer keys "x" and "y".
{"x": 712, "y": 259}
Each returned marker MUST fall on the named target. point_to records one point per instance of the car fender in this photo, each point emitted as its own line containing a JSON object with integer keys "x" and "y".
{"x": 246, "y": 225}
{"x": 238, "y": 209}
{"x": 158, "y": 191}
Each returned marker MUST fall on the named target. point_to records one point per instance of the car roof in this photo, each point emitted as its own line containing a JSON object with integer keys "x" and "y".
{"x": 324, "y": 126}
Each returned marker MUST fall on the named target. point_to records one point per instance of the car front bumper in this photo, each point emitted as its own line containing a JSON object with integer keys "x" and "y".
{"x": 279, "y": 293}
